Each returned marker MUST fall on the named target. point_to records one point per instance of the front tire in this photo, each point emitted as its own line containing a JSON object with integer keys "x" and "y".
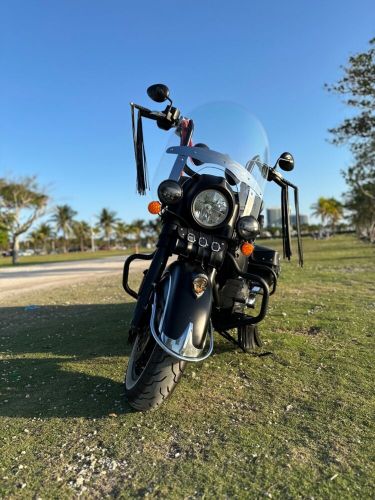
{"x": 151, "y": 375}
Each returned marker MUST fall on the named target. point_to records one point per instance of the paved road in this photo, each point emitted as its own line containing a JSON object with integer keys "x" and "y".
{"x": 14, "y": 281}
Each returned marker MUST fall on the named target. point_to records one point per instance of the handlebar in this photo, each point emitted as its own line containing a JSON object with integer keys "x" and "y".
{"x": 165, "y": 119}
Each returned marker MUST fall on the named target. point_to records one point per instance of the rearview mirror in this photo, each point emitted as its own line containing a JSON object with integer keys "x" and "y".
{"x": 286, "y": 162}
{"x": 158, "y": 92}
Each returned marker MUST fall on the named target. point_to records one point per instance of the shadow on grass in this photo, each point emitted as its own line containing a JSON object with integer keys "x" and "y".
{"x": 63, "y": 361}
{"x": 67, "y": 361}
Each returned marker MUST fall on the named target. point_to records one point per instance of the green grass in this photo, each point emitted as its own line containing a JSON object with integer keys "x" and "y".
{"x": 62, "y": 257}
{"x": 292, "y": 420}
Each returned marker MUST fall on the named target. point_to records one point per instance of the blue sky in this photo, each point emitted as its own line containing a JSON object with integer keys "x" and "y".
{"x": 69, "y": 68}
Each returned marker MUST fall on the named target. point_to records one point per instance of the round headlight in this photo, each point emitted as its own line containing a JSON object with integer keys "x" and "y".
{"x": 210, "y": 208}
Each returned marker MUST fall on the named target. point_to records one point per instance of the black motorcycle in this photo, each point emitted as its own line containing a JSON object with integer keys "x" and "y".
{"x": 206, "y": 273}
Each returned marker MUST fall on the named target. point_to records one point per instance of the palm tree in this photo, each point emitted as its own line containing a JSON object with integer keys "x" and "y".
{"x": 136, "y": 228}
{"x": 320, "y": 209}
{"x": 82, "y": 231}
{"x": 152, "y": 230}
{"x": 335, "y": 212}
{"x": 107, "y": 221}
{"x": 34, "y": 239}
{"x": 63, "y": 218}
{"x": 121, "y": 231}
{"x": 44, "y": 233}
{"x": 328, "y": 209}
{"x": 95, "y": 231}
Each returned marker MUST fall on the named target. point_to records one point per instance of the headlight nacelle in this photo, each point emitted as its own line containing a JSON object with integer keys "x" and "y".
{"x": 248, "y": 227}
{"x": 169, "y": 192}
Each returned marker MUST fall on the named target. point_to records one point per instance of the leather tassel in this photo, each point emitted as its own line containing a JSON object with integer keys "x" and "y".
{"x": 285, "y": 220}
{"x": 139, "y": 152}
{"x": 285, "y": 223}
{"x": 299, "y": 238}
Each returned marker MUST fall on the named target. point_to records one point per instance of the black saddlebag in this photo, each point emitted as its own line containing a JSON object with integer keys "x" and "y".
{"x": 265, "y": 262}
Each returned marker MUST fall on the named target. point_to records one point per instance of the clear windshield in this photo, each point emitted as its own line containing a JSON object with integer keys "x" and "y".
{"x": 237, "y": 147}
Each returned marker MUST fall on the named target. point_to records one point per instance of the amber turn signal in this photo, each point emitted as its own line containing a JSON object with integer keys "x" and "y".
{"x": 154, "y": 207}
{"x": 247, "y": 248}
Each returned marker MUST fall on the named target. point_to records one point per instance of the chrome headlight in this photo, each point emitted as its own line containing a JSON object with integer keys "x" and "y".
{"x": 210, "y": 208}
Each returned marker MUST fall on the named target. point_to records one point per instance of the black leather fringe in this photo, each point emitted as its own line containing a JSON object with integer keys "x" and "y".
{"x": 299, "y": 237}
{"x": 285, "y": 221}
{"x": 139, "y": 152}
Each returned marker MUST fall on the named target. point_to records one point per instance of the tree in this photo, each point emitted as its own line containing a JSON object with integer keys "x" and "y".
{"x": 362, "y": 211}
{"x": 107, "y": 222}
{"x": 34, "y": 239}
{"x": 121, "y": 231}
{"x": 43, "y": 234}
{"x": 320, "y": 209}
{"x": 22, "y": 202}
{"x": 82, "y": 231}
{"x": 136, "y": 228}
{"x": 152, "y": 230}
{"x": 4, "y": 242}
{"x": 63, "y": 218}
{"x": 335, "y": 212}
{"x": 358, "y": 88}
{"x": 358, "y": 131}
{"x": 328, "y": 209}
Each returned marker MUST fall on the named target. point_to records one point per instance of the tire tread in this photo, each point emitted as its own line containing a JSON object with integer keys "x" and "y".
{"x": 157, "y": 381}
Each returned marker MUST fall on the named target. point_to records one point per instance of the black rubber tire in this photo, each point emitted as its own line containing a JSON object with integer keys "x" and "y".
{"x": 157, "y": 381}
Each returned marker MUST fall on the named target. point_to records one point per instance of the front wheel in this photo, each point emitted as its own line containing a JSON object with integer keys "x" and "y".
{"x": 151, "y": 375}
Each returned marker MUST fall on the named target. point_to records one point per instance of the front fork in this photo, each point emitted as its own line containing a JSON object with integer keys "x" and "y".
{"x": 165, "y": 246}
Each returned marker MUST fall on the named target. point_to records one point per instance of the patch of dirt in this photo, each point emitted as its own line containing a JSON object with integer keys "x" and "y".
{"x": 312, "y": 331}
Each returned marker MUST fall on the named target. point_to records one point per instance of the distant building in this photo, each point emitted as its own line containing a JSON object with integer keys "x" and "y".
{"x": 273, "y": 217}
{"x": 303, "y": 219}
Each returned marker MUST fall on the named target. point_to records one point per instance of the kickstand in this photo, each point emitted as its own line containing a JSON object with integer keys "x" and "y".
{"x": 229, "y": 337}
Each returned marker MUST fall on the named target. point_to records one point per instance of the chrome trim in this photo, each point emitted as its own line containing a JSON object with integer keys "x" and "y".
{"x": 200, "y": 275}
{"x": 254, "y": 291}
{"x": 184, "y": 344}
{"x": 166, "y": 300}
{"x": 215, "y": 246}
{"x": 178, "y": 167}
{"x": 202, "y": 242}
{"x": 191, "y": 237}
{"x": 209, "y": 156}
{"x": 250, "y": 301}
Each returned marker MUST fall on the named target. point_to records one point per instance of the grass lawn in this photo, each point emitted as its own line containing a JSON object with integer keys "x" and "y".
{"x": 293, "y": 420}
{"x": 62, "y": 257}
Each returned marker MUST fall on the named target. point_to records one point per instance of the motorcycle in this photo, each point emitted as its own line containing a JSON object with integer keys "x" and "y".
{"x": 218, "y": 278}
